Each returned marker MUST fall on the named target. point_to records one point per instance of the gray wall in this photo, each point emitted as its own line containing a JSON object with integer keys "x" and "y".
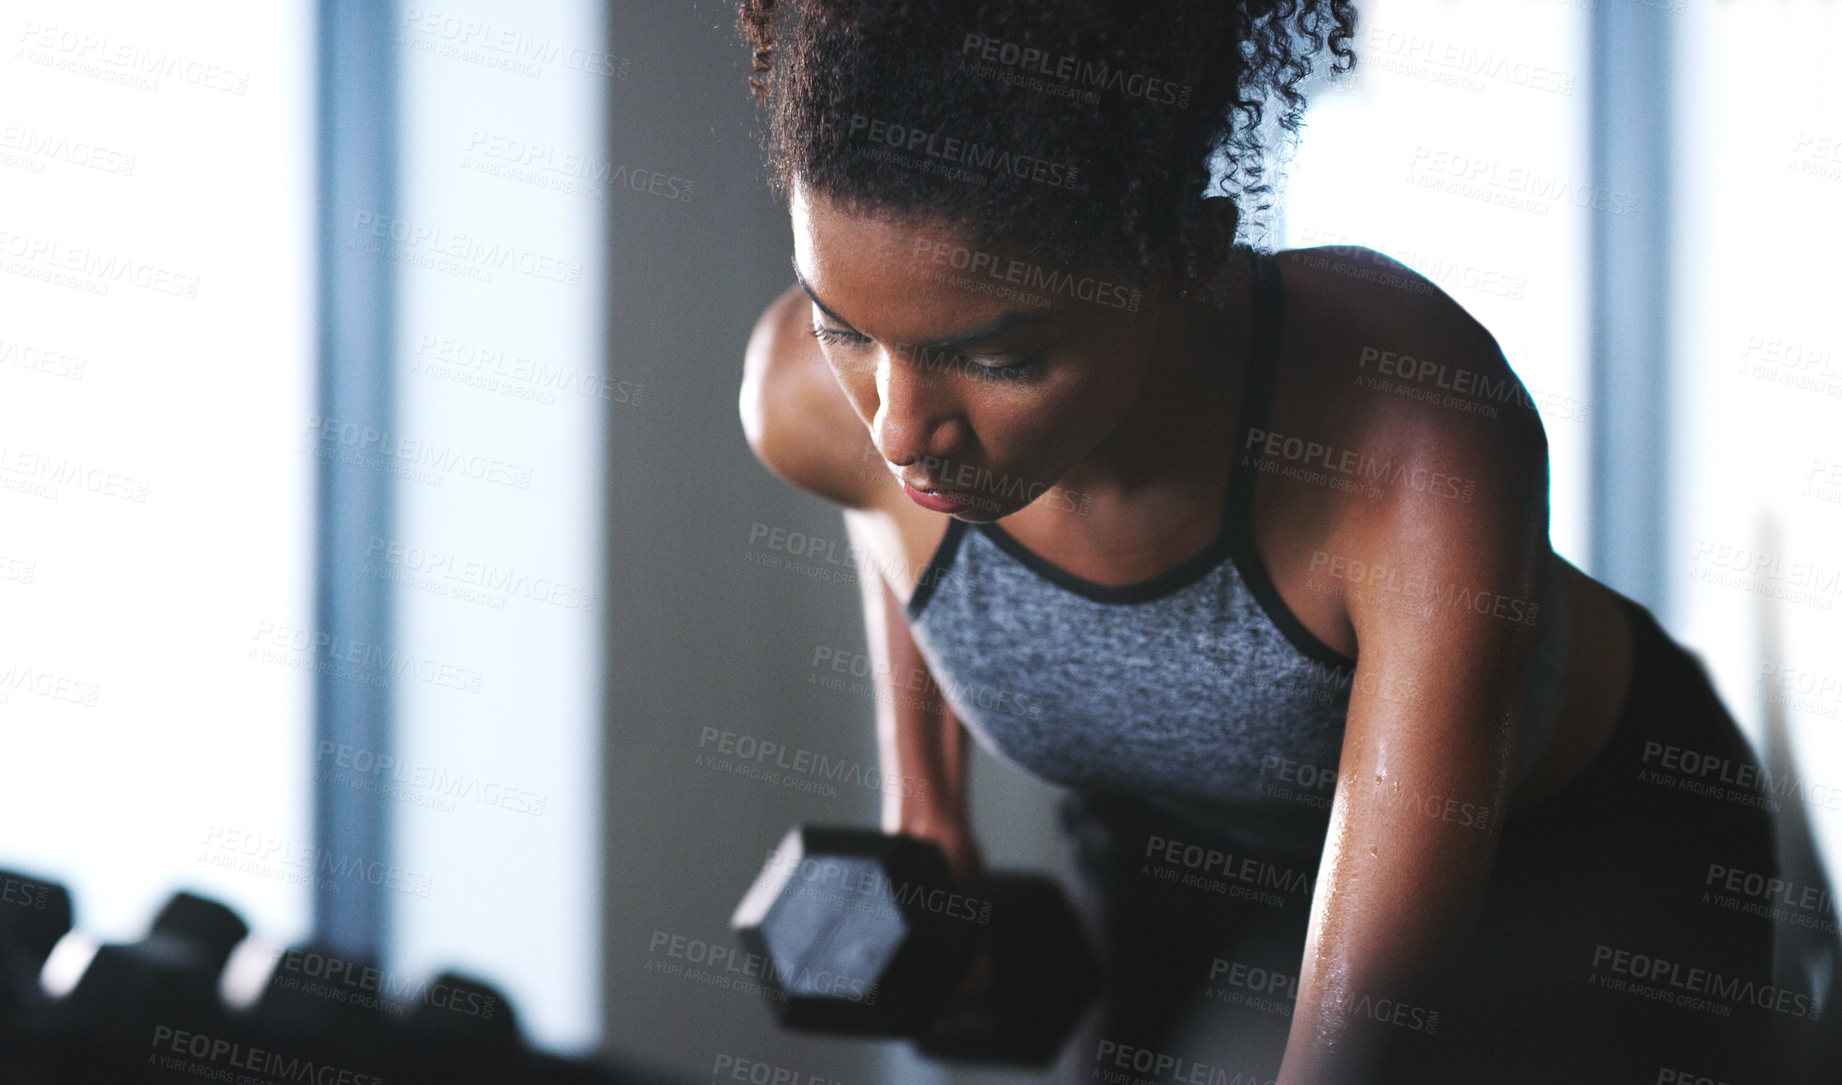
{"x": 701, "y": 633}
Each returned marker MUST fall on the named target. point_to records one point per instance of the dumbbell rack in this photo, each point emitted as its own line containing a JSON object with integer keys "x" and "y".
{"x": 151, "y": 1012}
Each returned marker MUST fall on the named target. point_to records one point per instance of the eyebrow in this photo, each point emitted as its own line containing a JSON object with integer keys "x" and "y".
{"x": 1014, "y": 320}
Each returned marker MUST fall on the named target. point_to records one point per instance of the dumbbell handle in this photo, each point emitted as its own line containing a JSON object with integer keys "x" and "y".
{"x": 965, "y": 859}
{"x": 974, "y": 985}
{"x": 1039, "y": 976}
{"x": 967, "y": 863}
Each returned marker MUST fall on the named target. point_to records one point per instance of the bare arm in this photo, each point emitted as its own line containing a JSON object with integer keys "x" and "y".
{"x": 1440, "y": 596}
{"x": 802, "y": 429}
{"x": 920, "y": 742}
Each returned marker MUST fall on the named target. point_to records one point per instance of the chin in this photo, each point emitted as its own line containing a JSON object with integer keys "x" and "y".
{"x": 982, "y": 514}
{"x": 982, "y": 509}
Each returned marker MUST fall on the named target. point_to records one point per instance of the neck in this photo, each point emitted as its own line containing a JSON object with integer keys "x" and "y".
{"x": 1180, "y": 426}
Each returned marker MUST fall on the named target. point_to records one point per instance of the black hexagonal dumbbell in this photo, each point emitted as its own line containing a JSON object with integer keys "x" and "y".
{"x": 322, "y": 1005}
{"x": 1042, "y": 978}
{"x": 101, "y": 1028}
{"x": 460, "y": 1029}
{"x": 865, "y": 934}
{"x": 169, "y": 978}
{"x": 842, "y": 917}
{"x": 129, "y": 1000}
{"x": 34, "y": 915}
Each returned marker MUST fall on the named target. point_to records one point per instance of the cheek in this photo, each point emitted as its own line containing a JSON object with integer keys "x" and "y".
{"x": 1046, "y": 426}
{"x": 859, "y": 387}
{"x": 1103, "y": 386}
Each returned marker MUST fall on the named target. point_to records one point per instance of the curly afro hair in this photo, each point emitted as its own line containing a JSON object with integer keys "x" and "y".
{"x": 1080, "y": 129}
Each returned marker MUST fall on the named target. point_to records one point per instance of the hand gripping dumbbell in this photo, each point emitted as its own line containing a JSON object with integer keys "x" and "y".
{"x": 864, "y": 933}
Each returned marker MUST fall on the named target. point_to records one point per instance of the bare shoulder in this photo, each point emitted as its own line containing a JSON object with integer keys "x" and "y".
{"x": 1403, "y": 375}
{"x": 1399, "y": 437}
{"x": 797, "y": 420}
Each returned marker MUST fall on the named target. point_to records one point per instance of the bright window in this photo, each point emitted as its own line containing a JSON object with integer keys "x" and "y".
{"x": 496, "y": 563}
{"x": 156, "y": 379}
{"x": 1755, "y": 543}
{"x": 1457, "y": 147}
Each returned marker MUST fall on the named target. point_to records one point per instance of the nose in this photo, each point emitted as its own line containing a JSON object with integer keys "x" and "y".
{"x": 917, "y": 417}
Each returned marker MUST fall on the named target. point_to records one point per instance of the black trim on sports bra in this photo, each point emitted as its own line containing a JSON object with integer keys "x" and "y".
{"x": 1190, "y": 570}
{"x": 1263, "y": 336}
{"x": 937, "y": 566}
{"x": 1269, "y": 299}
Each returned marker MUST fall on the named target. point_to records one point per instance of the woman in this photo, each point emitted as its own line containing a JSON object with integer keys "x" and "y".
{"x": 1247, "y": 550}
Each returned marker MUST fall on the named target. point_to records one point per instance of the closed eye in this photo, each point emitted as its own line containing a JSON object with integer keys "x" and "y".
{"x": 838, "y": 335}
{"x": 1017, "y": 370}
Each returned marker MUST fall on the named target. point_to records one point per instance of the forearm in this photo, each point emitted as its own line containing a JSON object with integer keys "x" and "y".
{"x": 1357, "y": 1012}
{"x": 920, "y": 745}
{"x": 924, "y": 766}
{"x": 1352, "y": 1028}
{"x": 1397, "y": 905}
{"x": 922, "y": 748}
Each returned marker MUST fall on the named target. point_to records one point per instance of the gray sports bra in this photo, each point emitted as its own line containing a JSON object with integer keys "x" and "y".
{"x": 1197, "y": 691}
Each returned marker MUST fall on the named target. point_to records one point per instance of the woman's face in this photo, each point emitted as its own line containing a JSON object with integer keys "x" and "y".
{"x": 982, "y": 375}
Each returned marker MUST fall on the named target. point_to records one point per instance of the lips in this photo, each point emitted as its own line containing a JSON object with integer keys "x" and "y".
{"x": 940, "y": 500}
{"x": 926, "y": 487}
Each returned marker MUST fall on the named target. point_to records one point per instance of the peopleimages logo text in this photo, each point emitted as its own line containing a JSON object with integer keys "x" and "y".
{"x": 1093, "y": 75}
{"x": 959, "y": 152}
{"x": 1025, "y": 275}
